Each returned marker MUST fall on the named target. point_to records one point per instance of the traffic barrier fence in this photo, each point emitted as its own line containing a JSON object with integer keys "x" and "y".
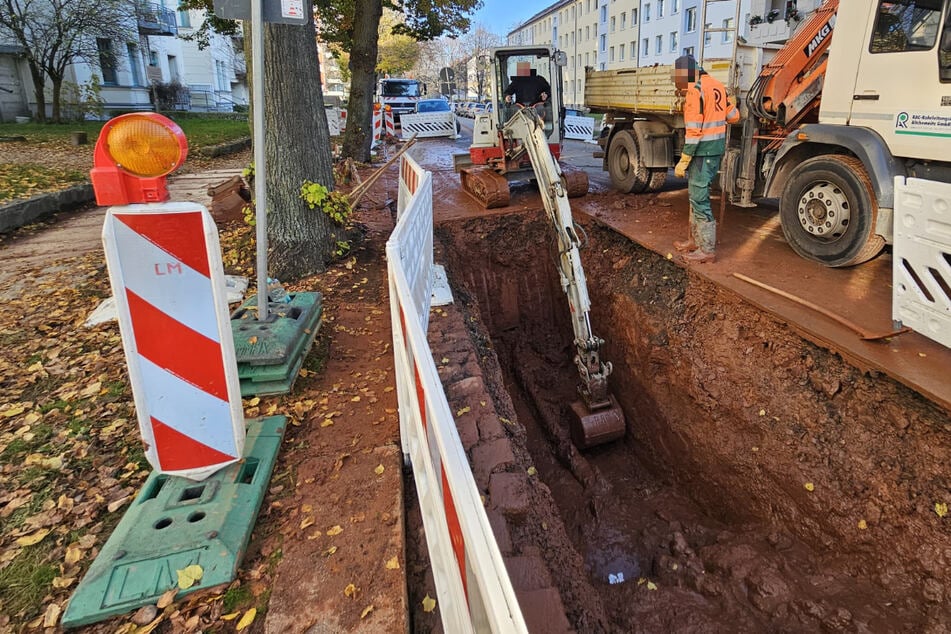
{"x": 472, "y": 585}
{"x": 581, "y": 128}
{"x": 428, "y": 124}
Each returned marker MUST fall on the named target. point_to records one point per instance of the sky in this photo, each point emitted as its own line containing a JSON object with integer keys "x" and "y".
{"x": 499, "y": 16}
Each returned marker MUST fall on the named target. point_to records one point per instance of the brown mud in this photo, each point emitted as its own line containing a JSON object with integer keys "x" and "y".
{"x": 764, "y": 484}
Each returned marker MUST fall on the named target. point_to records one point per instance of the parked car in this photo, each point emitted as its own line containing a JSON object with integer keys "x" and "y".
{"x": 477, "y": 109}
{"x": 432, "y": 105}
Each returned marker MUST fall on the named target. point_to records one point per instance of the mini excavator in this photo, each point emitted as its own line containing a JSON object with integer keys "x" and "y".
{"x": 524, "y": 141}
{"x": 495, "y": 159}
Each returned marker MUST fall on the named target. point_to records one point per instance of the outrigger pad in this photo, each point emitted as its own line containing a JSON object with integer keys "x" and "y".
{"x": 596, "y": 427}
{"x": 175, "y": 522}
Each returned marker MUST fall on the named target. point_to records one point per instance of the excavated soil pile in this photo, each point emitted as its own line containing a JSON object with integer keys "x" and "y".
{"x": 764, "y": 484}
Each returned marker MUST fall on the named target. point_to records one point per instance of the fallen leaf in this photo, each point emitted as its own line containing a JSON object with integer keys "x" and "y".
{"x": 941, "y": 509}
{"x": 366, "y": 611}
{"x": 762, "y": 412}
{"x": 862, "y": 525}
{"x": 809, "y": 486}
{"x": 350, "y": 591}
{"x": 330, "y": 551}
{"x": 246, "y": 620}
{"x": 532, "y": 471}
{"x": 335, "y": 530}
{"x": 379, "y": 470}
{"x": 51, "y": 617}
{"x": 393, "y": 564}
{"x": 229, "y": 617}
{"x": 10, "y": 412}
{"x": 429, "y": 603}
{"x": 651, "y": 585}
{"x": 63, "y": 582}
{"x": 253, "y": 340}
{"x": 167, "y": 598}
{"x": 189, "y": 576}
{"x": 116, "y": 505}
{"x": 254, "y": 401}
{"x": 73, "y": 554}
{"x": 355, "y": 399}
{"x": 307, "y": 521}
{"x": 327, "y": 422}
{"x": 35, "y": 538}
{"x": 464, "y": 410}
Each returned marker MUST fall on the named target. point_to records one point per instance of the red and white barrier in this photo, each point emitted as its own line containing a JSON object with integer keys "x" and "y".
{"x": 388, "y": 121}
{"x": 472, "y": 583}
{"x": 166, "y": 274}
{"x": 377, "y": 124}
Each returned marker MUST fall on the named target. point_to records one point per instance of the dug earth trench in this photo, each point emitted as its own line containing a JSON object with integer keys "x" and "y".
{"x": 764, "y": 484}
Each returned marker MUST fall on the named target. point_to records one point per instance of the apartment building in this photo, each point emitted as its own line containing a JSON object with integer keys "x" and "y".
{"x": 606, "y": 34}
{"x": 209, "y": 79}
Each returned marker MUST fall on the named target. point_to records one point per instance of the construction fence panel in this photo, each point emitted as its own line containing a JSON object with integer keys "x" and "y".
{"x": 428, "y": 124}
{"x": 581, "y": 128}
{"x": 921, "y": 258}
{"x": 473, "y": 588}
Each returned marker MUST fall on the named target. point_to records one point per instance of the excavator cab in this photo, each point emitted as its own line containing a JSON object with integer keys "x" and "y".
{"x": 521, "y": 78}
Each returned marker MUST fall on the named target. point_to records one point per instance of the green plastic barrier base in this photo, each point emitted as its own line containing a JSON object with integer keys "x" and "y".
{"x": 175, "y": 522}
{"x": 270, "y": 353}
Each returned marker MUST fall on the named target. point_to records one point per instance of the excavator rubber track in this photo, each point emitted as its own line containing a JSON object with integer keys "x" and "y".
{"x": 576, "y": 180}
{"x": 486, "y": 185}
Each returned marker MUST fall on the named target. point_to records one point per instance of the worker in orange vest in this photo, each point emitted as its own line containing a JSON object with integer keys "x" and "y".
{"x": 707, "y": 111}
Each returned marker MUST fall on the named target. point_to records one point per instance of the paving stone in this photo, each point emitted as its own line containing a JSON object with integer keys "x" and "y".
{"x": 543, "y": 611}
{"x": 469, "y": 386}
{"x": 490, "y": 427}
{"x": 528, "y": 573}
{"x": 468, "y": 432}
{"x": 500, "y": 528}
{"x": 508, "y": 492}
{"x": 488, "y": 457}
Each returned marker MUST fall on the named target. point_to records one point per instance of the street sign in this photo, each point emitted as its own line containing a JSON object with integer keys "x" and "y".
{"x": 275, "y": 11}
{"x": 446, "y": 74}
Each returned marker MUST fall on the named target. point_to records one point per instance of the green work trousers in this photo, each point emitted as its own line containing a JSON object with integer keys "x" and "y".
{"x": 700, "y": 173}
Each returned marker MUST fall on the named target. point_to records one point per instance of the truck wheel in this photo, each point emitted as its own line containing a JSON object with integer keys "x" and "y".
{"x": 828, "y": 211}
{"x": 627, "y": 170}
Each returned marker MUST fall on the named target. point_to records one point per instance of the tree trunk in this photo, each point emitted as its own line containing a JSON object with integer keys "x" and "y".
{"x": 297, "y": 148}
{"x": 39, "y": 91}
{"x": 366, "y": 24}
{"x": 57, "y": 99}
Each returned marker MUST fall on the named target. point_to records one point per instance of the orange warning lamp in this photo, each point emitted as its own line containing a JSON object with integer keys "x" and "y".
{"x": 133, "y": 155}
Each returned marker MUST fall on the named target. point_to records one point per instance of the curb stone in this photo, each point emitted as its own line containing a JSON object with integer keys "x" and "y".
{"x": 15, "y": 214}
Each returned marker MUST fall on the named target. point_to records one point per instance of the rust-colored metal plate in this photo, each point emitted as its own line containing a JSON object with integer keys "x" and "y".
{"x": 590, "y": 428}
{"x": 486, "y": 186}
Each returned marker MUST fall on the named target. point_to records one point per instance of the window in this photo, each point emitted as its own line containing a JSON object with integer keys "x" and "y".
{"x": 647, "y": 12}
{"x": 604, "y": 14}
{"x": 906, "y": 25}
{"x": 944, "y": 52}
{"x": 659, "y": 44}
{"x": 707, "y": 37}
{"x": 153, "y": 58}
{"x": 107, "y": 61}
{"x": 645, "y": 48}
{"x": 172, "y": 68}
{"x": 660, "y": 9}
{"x": 674, "y": 6}
{"x": 673, "y": 41}
{"x": 222, "y": 74}
{"x": 587, "y": 61}
{"x": 727, "y": 35}
{"x": 691, "y": 19}
{"x": 134, "y": 64}
{"x": 184, "y": 19}
{"x": 612, "y": 24}
{"x": 611, "y": 55}
{"x": 621, "y": 52}
{"x": 689, "y": 51}
{"x": 604, "y": 42}
{"x": 623, "y": 20}
{"x": 587, "y": 32}
{"x": 633, "y": 17}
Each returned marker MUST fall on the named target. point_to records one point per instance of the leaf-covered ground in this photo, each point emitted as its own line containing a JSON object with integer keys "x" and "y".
{"x": 71, "y": 459}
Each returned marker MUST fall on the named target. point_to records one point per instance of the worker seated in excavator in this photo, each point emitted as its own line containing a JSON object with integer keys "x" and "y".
{"x": 528, "y": 89}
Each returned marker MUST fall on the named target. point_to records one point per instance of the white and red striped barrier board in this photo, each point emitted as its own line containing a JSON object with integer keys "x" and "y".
{"x": 166, "y": 273}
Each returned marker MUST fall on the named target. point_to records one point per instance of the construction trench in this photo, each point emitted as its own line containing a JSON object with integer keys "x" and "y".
{"x": 764, "y": 484}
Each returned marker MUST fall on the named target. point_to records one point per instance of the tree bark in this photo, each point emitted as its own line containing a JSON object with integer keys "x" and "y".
{"x": 57, "y": 99}
{"x": 359, "y": 132}
{"x": 297, "y": 148}
{"x": 39, "y": 91}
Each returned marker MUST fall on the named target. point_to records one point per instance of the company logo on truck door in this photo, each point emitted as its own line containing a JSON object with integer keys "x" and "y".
{"x": 820, "y": 37}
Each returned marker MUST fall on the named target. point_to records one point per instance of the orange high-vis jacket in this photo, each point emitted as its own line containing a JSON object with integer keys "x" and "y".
{"x": 707, "y": 110}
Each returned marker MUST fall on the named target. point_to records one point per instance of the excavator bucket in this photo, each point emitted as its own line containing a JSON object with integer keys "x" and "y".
{"x": 576, "y": 180}
{"x": 591, "y": 427}
{"x": 485, "y": 185}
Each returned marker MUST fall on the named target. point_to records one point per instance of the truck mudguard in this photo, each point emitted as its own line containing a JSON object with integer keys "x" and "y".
{"x": 864, "y": 143}
{"x": 654, "y": 141}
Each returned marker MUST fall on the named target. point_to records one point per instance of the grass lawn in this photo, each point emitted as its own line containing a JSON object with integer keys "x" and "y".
{"x": 200, "y": 131}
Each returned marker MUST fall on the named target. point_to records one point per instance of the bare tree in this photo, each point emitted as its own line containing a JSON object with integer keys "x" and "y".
{"x": 477, "y": 43}
{"x": 57, "y": 33}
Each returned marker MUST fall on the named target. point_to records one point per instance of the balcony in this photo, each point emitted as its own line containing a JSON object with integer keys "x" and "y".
{"x": 154, "y": 19}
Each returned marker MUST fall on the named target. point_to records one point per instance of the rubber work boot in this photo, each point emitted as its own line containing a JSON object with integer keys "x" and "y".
{"x": 690, "y": 244}
{"x": 700, "y": 257}
{"x": 706, "y": 233}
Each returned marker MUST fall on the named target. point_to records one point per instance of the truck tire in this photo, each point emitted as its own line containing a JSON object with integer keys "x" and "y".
{"x": 627, "y": 170}
{"x": 828, "y": 211}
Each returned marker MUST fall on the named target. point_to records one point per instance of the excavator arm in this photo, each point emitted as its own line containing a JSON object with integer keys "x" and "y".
{"x": 598, "y": 418}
